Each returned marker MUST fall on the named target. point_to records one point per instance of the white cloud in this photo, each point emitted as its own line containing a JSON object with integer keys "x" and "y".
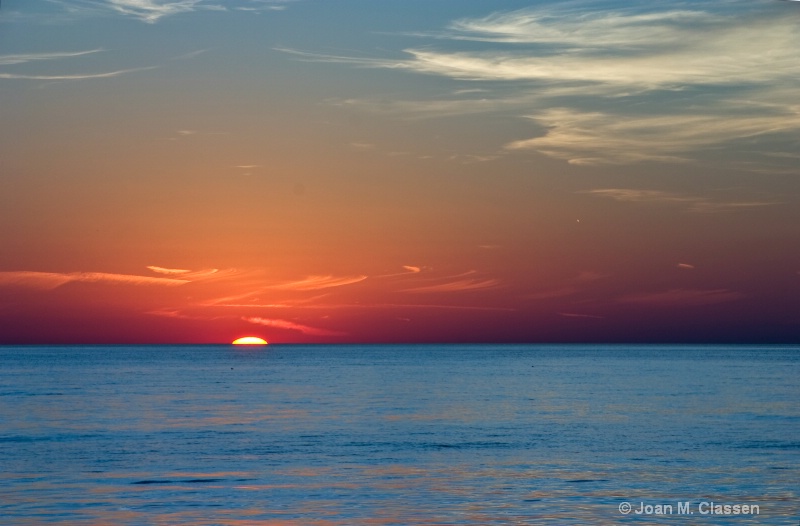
{"x": 78, "y": 76}
{"x": 582, "y": 137}
{"x": 151, "y": 11}
{"x": 698, "y": 77}
{"x": 23, "y": 58}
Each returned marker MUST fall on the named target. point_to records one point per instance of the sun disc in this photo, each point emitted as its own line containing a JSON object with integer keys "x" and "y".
{"x": 249, "y": 340}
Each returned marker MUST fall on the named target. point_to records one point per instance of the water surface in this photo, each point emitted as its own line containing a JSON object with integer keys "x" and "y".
{"x": 397, "y": 435}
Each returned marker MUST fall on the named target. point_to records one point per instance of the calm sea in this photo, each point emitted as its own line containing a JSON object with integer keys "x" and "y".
{"x": 399, "y": 435}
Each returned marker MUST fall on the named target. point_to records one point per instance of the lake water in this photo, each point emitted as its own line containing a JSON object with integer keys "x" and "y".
{"x": 399, "y": 435}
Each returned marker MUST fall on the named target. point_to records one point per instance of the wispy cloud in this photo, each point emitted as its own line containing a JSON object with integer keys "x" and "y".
{"x": 151, "y": 11}
{"x": 581, "y": 137}
{"x": 52, "y": 280}
{"x": 707, "y": 74}
{"x": 682, "y": 297}
{"x": 24, "y": 58}
{"x": 192, "y": 275}
{"x": 291, "y": 326}
{"x": 318, "y": 282}
{"x": 460, "y": 283}
{"x": 691, "y": 203}
{"x": 77, "y": 76}
{"x": 162, "y": 270}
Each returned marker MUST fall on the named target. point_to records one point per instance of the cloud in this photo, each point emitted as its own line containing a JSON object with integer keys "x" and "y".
{"x": 627, "y": 47}
{"x": 682, "y": 297}
{"x": 319, "y": 282}
{"x": 412, "y": 269}
{"x": 6, "y": 60}
{"x": 458, "y": 285}
{"x": 621, "y": 85}
{"x": 52, "y": 280}
{"x": 152, "y": 11}
{"x": 582, "y": 137}
{"x": 105, "y": 75}
{"x": 686, "y": 266}
{"x": 162, "y": 270}
{"x": 292, "y": 326}
{"x": 193, "y": 275}
{"x": 690, "y": 203}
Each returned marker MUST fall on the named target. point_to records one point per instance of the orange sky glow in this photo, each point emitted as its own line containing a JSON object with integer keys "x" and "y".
{"x": 310, "y": 172}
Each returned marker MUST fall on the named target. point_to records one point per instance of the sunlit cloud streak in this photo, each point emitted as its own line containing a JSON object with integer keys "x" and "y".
{"x": 170, "y": 271}
{"x": 318, "y": 282}
{"x": 193, "y": 275}
{"x": 52, "y": 280}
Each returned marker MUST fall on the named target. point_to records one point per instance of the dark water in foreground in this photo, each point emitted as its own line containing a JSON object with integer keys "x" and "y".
{"x": 398, "y": 435}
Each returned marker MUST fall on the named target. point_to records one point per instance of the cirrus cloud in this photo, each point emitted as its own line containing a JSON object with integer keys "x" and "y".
{"x": 706, "y": 75}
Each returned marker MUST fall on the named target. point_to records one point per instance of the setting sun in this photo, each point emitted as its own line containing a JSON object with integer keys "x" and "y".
{"x": 249, "y": 340}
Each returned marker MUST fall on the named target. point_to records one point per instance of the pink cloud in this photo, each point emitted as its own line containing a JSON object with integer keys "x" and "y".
{"x": 292, "y": 326}
{"x": 461, "y": 285}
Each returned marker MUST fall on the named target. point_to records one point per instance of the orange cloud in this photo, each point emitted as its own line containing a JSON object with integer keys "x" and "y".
{"x": 169, "y": 271}
{"x": 319, "y": 282}
{"x": 52, "y": 280}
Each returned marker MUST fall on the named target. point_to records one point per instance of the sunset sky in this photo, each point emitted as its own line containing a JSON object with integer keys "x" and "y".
{"x": 193, "y": 171}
